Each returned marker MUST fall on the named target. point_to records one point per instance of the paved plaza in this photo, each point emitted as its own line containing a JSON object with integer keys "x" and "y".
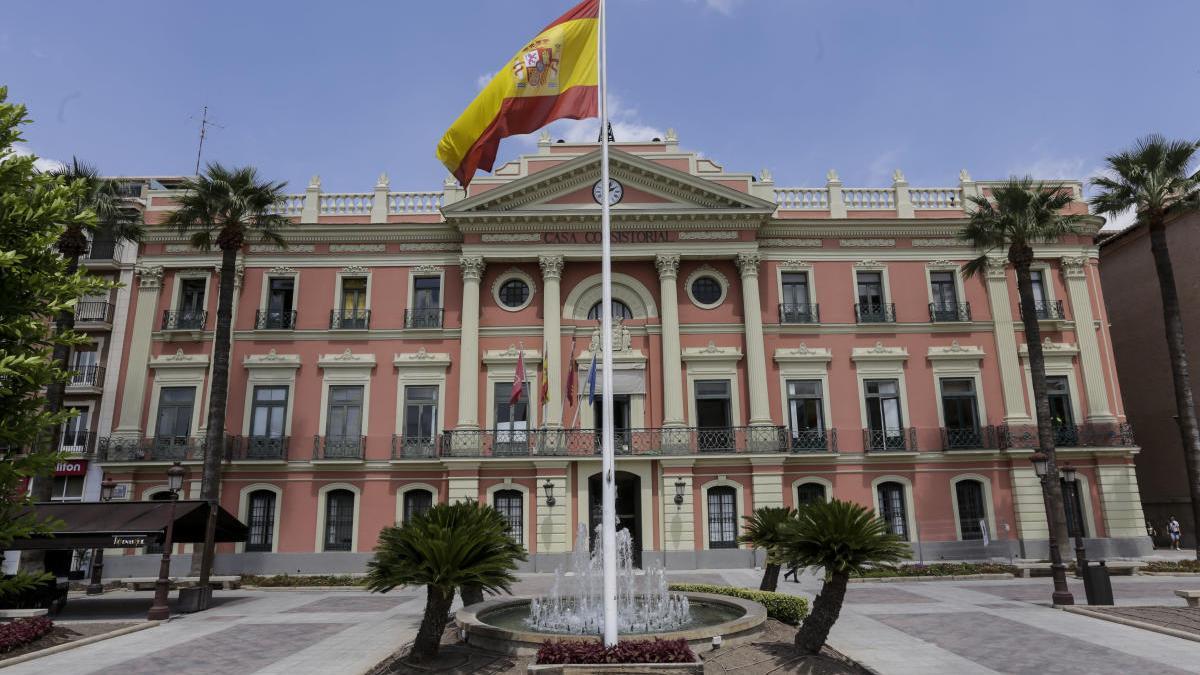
{"x": 893, "y": 628}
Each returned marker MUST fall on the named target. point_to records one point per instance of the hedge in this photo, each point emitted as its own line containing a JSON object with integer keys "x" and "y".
{"x": 289, "y": 581}
{"x": 941, "y": 570}
{"x": 1172, "y": 566}
{"x": 780, "y": 606}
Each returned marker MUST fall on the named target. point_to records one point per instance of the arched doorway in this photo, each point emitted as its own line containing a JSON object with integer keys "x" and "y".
{"x": 629, "y": 508}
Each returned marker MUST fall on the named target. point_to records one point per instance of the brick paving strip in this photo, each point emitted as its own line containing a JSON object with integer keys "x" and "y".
{"x": 1181, "y": 622}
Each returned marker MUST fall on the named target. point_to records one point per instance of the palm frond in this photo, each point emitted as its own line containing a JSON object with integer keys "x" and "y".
{"x": 841, "y": 537}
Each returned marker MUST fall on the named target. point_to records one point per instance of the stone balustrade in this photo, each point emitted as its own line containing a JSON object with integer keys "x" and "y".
{"x": 936, "y": 198}
{"x": 345, "y": 204}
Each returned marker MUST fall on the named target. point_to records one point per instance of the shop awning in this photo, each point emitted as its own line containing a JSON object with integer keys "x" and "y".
{"x": 127, "y": 524}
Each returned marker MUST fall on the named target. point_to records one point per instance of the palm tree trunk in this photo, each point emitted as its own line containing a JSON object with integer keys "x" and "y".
{"x": 218, "y": 393}
{"x": 770, "y": 580}
{"x": 1056, "y": 515}
{"x": 1185, "y": 404}
{"x": 825, "y": 611}
{"x": 433, "y": 623}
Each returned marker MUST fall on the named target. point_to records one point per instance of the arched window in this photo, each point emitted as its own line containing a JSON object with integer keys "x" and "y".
{"x": 261, "y": 519}
{"x": 972, "y": 513}
{"x": 339, "y": 520}
{"x": 891, "y": 508}
{"x": 156, "y": 547}
{"x": 810, "y": 493}
{"x": 1074, "y": 505}
{"x": 511, "y": 505}
{"x": 416, "y": 502}
{"x": 619, "y": 311}
{"x": 722, "y": 517}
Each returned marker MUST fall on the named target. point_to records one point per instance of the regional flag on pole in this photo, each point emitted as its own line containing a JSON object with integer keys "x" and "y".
{"x": 544, "y": 380}
{"x": 554, "y": 76}
{"x": 518, "y": 380}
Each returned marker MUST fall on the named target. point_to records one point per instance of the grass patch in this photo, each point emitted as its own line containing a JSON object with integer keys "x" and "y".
{"x": 941, "y": 570}
{"x": 299, "y": 581}
{"x": 1172, "y": 566}
{"x": 780, "y": 606}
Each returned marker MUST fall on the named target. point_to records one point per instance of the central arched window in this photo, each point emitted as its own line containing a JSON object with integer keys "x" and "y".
{"x": 511, "y": 505}
{"x": 971, "y": 510}
{"x": 339, "y": 520}
{"x": 416, "y": 502}
{"x": 261, "y": 519}
{"x": 722, "y": 517}
{"x": 809, "y": 493}
{"x": 891, "y": 508}
{"x": 619, "y": 311}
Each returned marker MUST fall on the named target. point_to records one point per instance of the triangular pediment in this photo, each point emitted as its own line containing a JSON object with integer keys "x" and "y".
{"x": 648, "y": 186}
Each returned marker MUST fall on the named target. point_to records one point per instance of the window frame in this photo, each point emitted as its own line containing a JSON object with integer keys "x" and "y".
{"x": 511, "y": 492}
{"x": 726, "y": 520}
{"x": 269, "y": 525}
{"x": 323, "y": 531}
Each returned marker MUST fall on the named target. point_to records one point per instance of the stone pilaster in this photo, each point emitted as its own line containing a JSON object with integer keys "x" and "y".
{"x": 679, "y": 520}
{"x": 668, "y": 277}
{"x": 1029, "y": 505}
{"x": 1012, "y": 380}
{"x": 1123, "y": 516}
{"x": 1074, "y": 272}
{"x": 767, "y": 482}
{"x": 468, "y": 354}
{"x": 149, "y": 287}
{"x": 552, "y": 267}
{"x": 756, "y": 357}
{"x": 553, "y": 530}
{"x": 463, "y": 483}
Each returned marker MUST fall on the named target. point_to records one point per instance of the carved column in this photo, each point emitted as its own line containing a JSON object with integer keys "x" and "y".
{"x": 468, "y": 352}
{"x": 552, "y": 267}
{"x": 1012, "y": 379}
{"x": 149, "y": 287}
{"x": 668, "y": 275}
{"x": 756, "y": 357}
{"x": 1074, "y": 272}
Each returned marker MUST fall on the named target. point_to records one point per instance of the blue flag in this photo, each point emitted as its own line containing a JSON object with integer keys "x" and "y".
{"x": 592, "y": 381}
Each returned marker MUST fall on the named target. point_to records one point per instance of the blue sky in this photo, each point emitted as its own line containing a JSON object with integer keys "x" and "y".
{"x": 348, "y": 90}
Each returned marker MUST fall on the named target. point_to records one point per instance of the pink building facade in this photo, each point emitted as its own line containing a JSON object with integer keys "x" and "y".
{"x": 775, "y": 345}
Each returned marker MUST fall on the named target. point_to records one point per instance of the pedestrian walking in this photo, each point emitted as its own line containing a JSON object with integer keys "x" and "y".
{"x": 1176, "y": 533}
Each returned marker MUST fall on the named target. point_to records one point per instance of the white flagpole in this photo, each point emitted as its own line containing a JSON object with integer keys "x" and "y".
{"x": 608, "y": 527}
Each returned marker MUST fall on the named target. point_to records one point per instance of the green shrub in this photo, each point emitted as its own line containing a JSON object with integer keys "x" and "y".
{"x": 289, "y": 581}
{"x": 940, "y": 570}
{"x": 780, "y": 606}
{"x": 1172, "y": 566}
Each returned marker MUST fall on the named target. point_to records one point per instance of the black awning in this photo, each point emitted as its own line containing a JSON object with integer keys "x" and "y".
{"x": 126, "y": 524}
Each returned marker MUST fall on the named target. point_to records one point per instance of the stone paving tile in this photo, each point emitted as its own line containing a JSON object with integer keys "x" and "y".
{"x": 1025, "y": 592}
{"x": 1185, "y": 619}
{"x": 243, "y": 648}
{"x": 370, "y": 603}
{"x": 884, "y": 596}
{"x": 1013, "y": 647}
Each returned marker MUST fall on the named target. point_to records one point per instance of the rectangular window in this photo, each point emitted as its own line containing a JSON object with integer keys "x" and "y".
{"x": 261, "y": 521}
{"x": 420, "y": 420}
{"x": 512, "y": 421}
{"x": 268, "y": 422}
{"x": 714, "y": 416}
{"x": 352, "y": 313}
{"x": 892, "y": 508}
{"x": 75, "y": 432}
{"x": 945, "y": 298}
{"x": 339, "y": 520}
{"x": 416, "y": 502}
{"x": 971, "y": 512}
{"x": 511, "y": 505}
{"x": 67, "y": 489}
{"x": 1038, "y": 281}
{"x": 191, "y": 304}
{"x": 427, "y": 303}
{"x": 806, "y": 414}
{"x": 344, "y": 422}
{"x": 722, "y": 517}
{"x": 871, "y": 306}
{"x": 885, "y": 424}
{"x": 174, "y": 423}
{"x": 960, "y": 411}
{"x": 1058, "y": 390}
{"x": 281, "y": 298}
{"x": 795, "y": 306}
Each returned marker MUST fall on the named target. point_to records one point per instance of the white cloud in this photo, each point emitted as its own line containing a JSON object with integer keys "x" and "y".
{"x": 725, "y": 7}
{"x": 879, "y": 172}
{"x": 41, "y": 163}
{"x": 482, "y": 80}
{"x": 626, "y": 123}
{"x": 1053, "y": 168}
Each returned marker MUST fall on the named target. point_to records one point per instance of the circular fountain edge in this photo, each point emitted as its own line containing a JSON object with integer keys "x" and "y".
{"x": 525, "y": 642}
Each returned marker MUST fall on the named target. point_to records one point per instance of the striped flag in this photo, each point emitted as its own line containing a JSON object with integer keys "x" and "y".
{"x": 544, "y": 379}
{"x": 518, "y": 380}
{"x": 569, "y": 390}
{"x": 592, "y": 381}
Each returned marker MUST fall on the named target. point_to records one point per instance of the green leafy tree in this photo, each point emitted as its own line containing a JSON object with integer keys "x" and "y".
{"x": 1019, "y": 215}
{"x": 35, "y": 287}
{"x": 221, "y": 207}
{"x": 762, "y": 530}
{"x": 842, "y": 538}
{"x": 1152, "y": 178}
{"x": 450, "y": 546}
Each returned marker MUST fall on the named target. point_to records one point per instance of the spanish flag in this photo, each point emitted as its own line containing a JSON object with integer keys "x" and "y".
{"x": 554, "y": 76}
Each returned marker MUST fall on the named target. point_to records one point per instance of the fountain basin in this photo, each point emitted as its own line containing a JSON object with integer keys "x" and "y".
{"x": 498, "y": 625}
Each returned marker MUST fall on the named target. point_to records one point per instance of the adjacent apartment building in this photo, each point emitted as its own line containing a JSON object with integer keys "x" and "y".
{"x": 774, "y": 345}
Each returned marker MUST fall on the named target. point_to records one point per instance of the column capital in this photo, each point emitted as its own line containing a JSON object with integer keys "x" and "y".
{"x": 747, "y": 264}
{"x": 1073, "y": 267}
{"x": 668, "y": 266}
{"x": 552, "y": 267}
{"x": 472, "y": 267}
{"x": 997, "y": 268}
{"x": 150, "y": 276}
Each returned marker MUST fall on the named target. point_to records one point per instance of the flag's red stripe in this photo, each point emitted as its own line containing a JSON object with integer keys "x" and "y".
{"x": 588, "y": 9}
{"x": 524, "y": 115}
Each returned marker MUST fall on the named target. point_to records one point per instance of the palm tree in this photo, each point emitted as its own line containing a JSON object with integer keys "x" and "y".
{"x": 843, "y": 538}
{"x": 1020, "y": 214}
{"x": 1152, "y": 178}
{"x": 448, "y": 547}
{"x": 762, "y": 531}
{"x": 222, "y": 206}
{"x": 115, "y": 221}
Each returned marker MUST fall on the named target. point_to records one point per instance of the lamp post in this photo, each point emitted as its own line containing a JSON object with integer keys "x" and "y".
{"x": 1069, "y": 475}
{"x": 1062, "y": 594}
{"x": 159, "y": 610}
{"x": 549, "y": 489}
{"x": 679, "y": 487}
{"x": 96, "y": 586}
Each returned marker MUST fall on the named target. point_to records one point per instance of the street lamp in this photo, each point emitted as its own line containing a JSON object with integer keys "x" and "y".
{"x": 679, "y": 487}
{"x": 159, "y": 610}
{"x": 549, "y": 488}
{"x": 1062, "y": 594}
{"x": 1069, "y": 475}
{"x": 96, "y": 586}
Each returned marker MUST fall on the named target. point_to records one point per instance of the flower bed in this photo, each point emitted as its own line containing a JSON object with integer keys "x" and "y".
{"x": 1172, "y": 566}
{"x": 592, "y": 652}
{"x": 780, "y": 606}
{"x": 17, "y": 634}
{"x": 289, "y": 581}
{"x": 941, "y": 570}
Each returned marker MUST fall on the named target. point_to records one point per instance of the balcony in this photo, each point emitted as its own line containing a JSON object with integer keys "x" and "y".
{"x": 258, "y": 448}
{"x": 102, "y": 254}
{"x": 880, "y": 313}
{"x": 800, "y": 313}
{"x": 187, "y": 320}
{"x": 812, "y": 440}
{"x": 275, "y": 319}
{"x": 338, "y": 447}
{"x": 151, "y": 449}
{"x": 81, "y": 443}
{"x": 1046, "y": 311}
{"x": 349, "y": 319}
{"x": 423, "y": 318}
{"x": 1108, "y": 435}
{"x": 586, "y": 442}
{"x": 901, "y": 439}
{"x": 943, "y": 312}
{"x": 414, "y": 447}
{"x": 968, "y": 438}
{"x": 93, "y": 314}
{"x": 84, "y": 378}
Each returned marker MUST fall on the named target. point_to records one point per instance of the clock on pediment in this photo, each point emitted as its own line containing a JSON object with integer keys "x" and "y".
{"x": 615, "y": 192}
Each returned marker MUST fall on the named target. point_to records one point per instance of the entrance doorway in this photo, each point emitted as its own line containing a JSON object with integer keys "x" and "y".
{"x": 629, "y": 509}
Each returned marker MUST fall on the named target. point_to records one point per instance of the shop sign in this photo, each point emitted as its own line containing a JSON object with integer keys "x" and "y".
{"x": 74, "y": 467}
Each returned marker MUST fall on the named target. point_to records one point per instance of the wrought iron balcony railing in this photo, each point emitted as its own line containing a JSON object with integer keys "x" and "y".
{"x": 339, "y": 447}
{"x": 968, "y": 438}
{"x": 93, "y": 312}
{"x": 414, "y": 447}
{"x": 274, "y": 319}
{"x": 901, "y": 439}
{"x": 86, "y": 376}
{"x": 77, "y": 442}
{"x": 151, "y": 448}
{"x": 102, "y": 251}
{"x": 423, "y": 318}
{"x": 1095, "y": 435}
{"x": 875, "y": 313}
{"x": 800, "y": 313}
{"x": 1046, "y": 311}
{"x": 259, "y": 448}
{"x": 349, "y": 319}
{"x": 586, "y": 442}
{"x": 812, "y": 440}
{"x": 184, "y": 319}
{"x": 952, "y": 311}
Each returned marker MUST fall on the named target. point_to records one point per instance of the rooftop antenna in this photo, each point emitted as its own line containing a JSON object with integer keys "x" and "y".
{"x": 204, "y": 125}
